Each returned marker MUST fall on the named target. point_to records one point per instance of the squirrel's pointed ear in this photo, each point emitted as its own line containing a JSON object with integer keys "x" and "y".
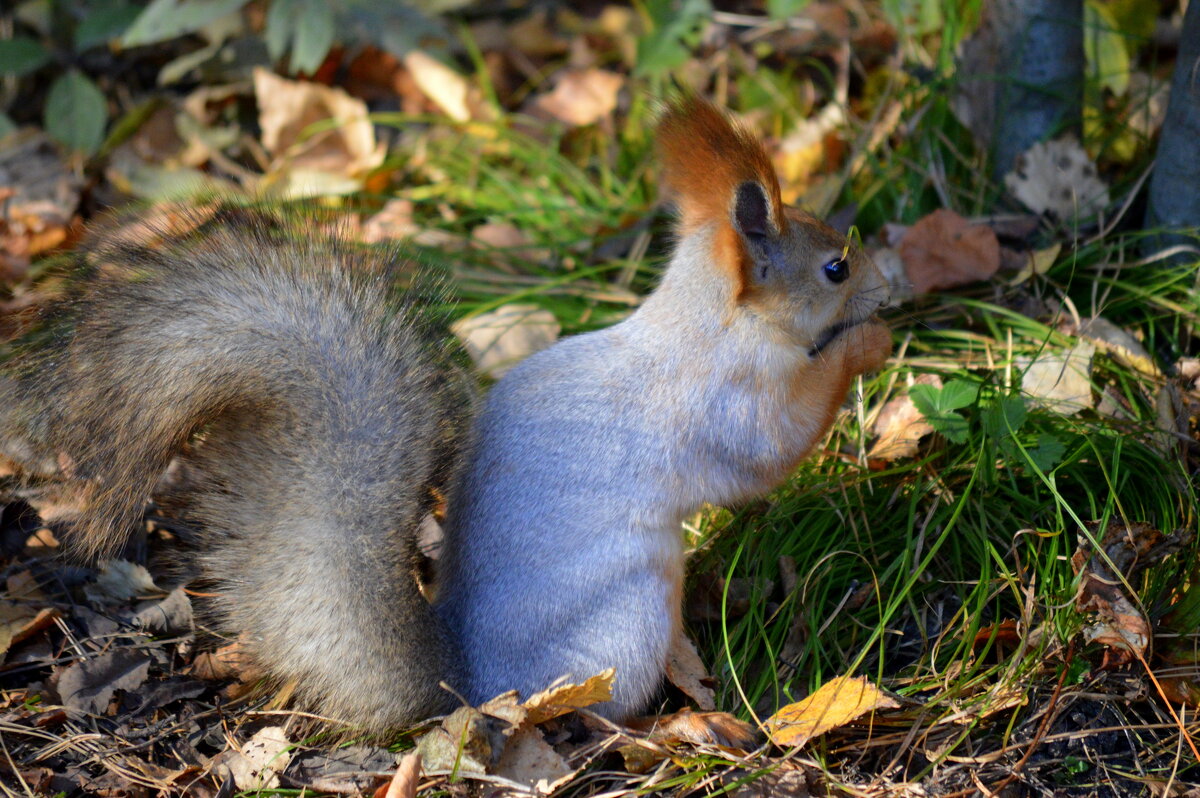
{"x": 752, "y": 211}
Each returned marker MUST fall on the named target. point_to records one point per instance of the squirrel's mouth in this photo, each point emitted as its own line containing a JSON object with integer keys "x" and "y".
{"x": 831, "y": 332}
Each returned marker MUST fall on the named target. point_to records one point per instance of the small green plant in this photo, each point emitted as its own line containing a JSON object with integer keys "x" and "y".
{"x": 56, "y": 37}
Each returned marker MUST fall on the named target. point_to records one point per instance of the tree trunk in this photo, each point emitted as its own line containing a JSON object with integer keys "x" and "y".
{"x": 1173, "y": 210}
{"x": 1041, "y": 66}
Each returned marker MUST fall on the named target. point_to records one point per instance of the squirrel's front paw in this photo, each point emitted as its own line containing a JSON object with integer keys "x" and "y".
{"x": 701, "y": 728}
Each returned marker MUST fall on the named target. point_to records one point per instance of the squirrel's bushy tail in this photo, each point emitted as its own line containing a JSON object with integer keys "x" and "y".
{"x": 322, "y": 415}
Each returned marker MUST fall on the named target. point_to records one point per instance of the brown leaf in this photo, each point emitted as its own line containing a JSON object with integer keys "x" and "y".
{"x": 686, "y": 671}
{"x": 227, "y": 662}
{"x": 19, "y": 622}
{"x": 88, "y": 686}
{"x": 286, "y": 110}
{"x": 701, "y": 728}
{"x": 529, "y": 759}
{"x": 581, "y": 96}
{"x": 838, "y": 702}
{"x": 404, "y": 783}
{"x": 900, "y": 426}
{"x": 394, "y": 222}
{"x": 1120, "y": 625}
{"x": 564, "y": 698}
{"x": 944, "y": 250}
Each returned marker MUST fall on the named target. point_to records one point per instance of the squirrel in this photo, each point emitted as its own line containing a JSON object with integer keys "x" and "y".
{"x": 319, "y": 416}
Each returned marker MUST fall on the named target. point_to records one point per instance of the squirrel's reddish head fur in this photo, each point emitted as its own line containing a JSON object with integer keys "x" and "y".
{"x": 706, "y": 158}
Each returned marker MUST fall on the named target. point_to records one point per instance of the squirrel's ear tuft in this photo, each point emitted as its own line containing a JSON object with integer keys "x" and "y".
{"x": 716, "y": 172}
{"x": 706, "y": 158}
{"x": 752, "y": 211}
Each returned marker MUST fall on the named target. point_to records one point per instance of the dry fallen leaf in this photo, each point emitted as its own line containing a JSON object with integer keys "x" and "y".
{"x": 40, "y": 195}
{"x": 944, "y": 250}
{"x": 1120, "y": 625}
{"x": 837, "y": 702}
{"x": 1038, "y": 262}
{"x": 499, "y": 339}
{"x": 406, "y": 779}
{"x": 393, "y": 222}
{"x": 18, "y": 622}
{"x": 227, "y": 662}
{"x": 466, "y": 741}
{"x": 288, "y": 108}
{"x": 444, "y": 87}
{"x": 1060, "y": 381}
{"x": 260, "y": 761}
{"x": 701, "y": 728}
{"x": 1059, "y": 178}
{"x": 529, "y": 759}
{"x": 900, "y": 426}
{"x": 581, "y": 96}
{"x": 686, "y": 671}
{"x": 564, "y": 698}
{"x": 121, "y": 580}
{"x": 1120, "y": 345}
{"x": 806, "y": 151}
{"x": 88, "y": 686}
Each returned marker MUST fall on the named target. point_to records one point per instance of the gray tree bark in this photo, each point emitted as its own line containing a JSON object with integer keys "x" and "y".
{"x": 1174, "y": 201}
{"x": 1041, "y": 68}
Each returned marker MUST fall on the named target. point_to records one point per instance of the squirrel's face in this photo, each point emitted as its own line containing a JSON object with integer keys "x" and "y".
{"x": 801, "y": 274}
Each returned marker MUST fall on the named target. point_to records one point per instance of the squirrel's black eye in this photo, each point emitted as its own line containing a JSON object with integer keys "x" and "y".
{"x": 836, "y": 270}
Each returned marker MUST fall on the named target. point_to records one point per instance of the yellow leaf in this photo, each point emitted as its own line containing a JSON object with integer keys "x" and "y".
{"x": 564, "y": 698}
{"x": 835, "y": 704}
{"x": 1038, "y": 263}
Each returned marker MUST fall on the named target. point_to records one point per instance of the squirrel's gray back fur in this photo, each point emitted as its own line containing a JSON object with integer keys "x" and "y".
{"x": 323, "y": 417}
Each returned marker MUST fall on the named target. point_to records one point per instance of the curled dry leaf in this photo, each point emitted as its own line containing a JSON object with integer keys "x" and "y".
{"x": 1120, "y": 625}
{"x": 444, "y": 87}
{"x": 19, "y": 622}
{"x": 499, "y": 339}
{"x": 227, "y": 662}
{"x": 1058, "y": 177}
{"x": 686, "y": 671}
{"x": 406, "y": 779}
{"x": 838, "y": 702}
{"x": 1038, "y": 262}
{"x": 944, "y": 250}
{"x": 900, "y": 426}
{"x": 581, "y": 96}
{"x": 1060, "y": 381}
{"x": 561, "y": 699}
{"x": 288, "y": 108}
{"x": 703, "y": 728}
{"x": 1120, "y": 345}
